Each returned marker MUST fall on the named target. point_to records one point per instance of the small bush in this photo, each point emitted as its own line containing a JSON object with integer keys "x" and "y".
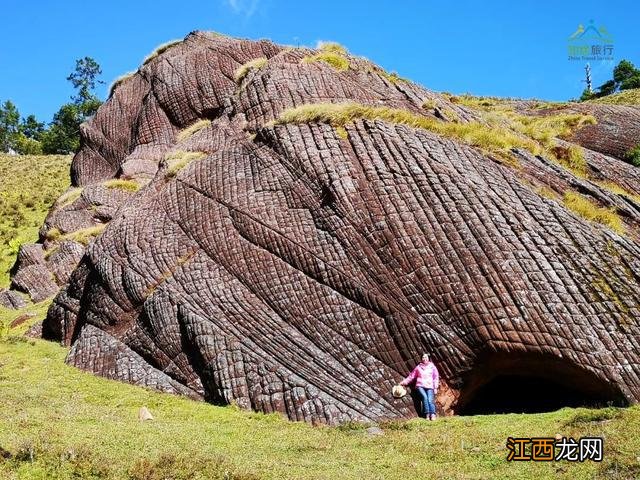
{"x": 243, "y": 70}
{"x": 176, "y": 161}
{"x": 588, "y": 210}
{"x": 14, "y": 246}
{"x": 26, "y": 452}
{"x": 122, "y": 184}
{"x": 332, "y": 54}
{"x": 193, "y": 129}
{"x": 27, "y": 146}
{"x": 633, "y": 156}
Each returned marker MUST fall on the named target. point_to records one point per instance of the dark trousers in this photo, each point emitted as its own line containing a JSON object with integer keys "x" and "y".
{"x": 423, "y": 401}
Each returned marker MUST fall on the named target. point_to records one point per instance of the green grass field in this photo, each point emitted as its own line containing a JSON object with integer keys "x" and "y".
{"x": 28, "y": 187}
{"x": 59, "y": 422}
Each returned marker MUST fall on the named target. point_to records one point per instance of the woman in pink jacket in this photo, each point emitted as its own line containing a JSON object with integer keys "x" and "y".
{"x": 426, "y": 379}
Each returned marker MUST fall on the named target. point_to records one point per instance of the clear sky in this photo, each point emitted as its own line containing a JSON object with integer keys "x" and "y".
{"x": 505, "y": 48}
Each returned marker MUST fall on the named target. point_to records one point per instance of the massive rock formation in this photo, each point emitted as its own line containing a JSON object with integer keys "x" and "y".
{"x": 303, "y": 266}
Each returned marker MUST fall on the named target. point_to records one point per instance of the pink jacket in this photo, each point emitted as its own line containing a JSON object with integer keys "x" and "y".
{"x": 426, "y": 376}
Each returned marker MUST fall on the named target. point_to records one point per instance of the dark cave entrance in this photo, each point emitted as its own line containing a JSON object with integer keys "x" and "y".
{"x": 533, "y": 384}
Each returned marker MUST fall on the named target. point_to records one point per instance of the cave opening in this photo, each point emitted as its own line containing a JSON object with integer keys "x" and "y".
{"x": 522, "y": 394}
{"x": 533, "y": 384}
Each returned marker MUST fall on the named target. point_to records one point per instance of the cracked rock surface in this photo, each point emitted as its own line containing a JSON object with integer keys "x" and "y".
{"x": 289, "y": 269}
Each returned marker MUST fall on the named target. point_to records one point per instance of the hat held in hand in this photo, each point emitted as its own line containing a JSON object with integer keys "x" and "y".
{"x": 398, "y": 391}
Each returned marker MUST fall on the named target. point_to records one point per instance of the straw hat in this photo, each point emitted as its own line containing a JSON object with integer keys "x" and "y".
{"x": 398, "y": 391}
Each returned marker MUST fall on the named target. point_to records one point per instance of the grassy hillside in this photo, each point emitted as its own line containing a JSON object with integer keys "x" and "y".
{"x": 59, "y": 422}
{"x": 28, "y": 186}
{"x": 625, "y": 97}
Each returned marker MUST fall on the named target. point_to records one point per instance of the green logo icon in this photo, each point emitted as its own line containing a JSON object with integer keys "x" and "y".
{"x": 590, "y": 43}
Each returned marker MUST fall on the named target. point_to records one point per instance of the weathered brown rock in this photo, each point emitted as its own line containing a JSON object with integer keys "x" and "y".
{"x": 290, "y": 269}
{"x": 37, "y": 281}
{"x": 35, "y": 331}
{"x": 11, "y": 299}
{"x": 617, "y": 130}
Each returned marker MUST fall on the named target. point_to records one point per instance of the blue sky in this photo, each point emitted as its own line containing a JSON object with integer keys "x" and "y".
{"x": 505, "y": 48}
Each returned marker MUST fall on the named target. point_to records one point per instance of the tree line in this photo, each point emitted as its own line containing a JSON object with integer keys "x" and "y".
{"x": 625, "y": 77}
{"x": 28, "y": 136}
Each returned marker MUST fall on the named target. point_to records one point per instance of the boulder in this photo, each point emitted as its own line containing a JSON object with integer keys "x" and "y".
{"x": 298, "y": 265}
{"x": 144, "y": 414}
{"x": 11, "y": 299}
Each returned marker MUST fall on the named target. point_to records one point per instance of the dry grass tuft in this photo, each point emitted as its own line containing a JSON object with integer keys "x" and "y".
{"x": 342, "y": 132}
{"x": 193, "y": 129}
{"x": 243, "y": 70}
{"x": 391, "y": 77}
{"x": 84, "y": 235}
{"x": 332, "y": 54}
{"x": 53, "y": 234}
{"x": 69, "y": 196}
{"x": 176, "y": 161}
{"x": 497, "y": 141}
{"x": 332, "y": 47}
{"x": 545, "y": 128}
{"x": 571, "y": 158}
{"x": 542, "y": 129}
{"x": 625, "y": 97}
{"x": 546, "y": 192}
{"x": 122, "y": 184}
{"x": 429, "y": 104}
{"x": 619, "y": 190}
{"x": 588, "y": 210}
{"x": 160, "y": 49}
{"x": 119, "y": 81}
